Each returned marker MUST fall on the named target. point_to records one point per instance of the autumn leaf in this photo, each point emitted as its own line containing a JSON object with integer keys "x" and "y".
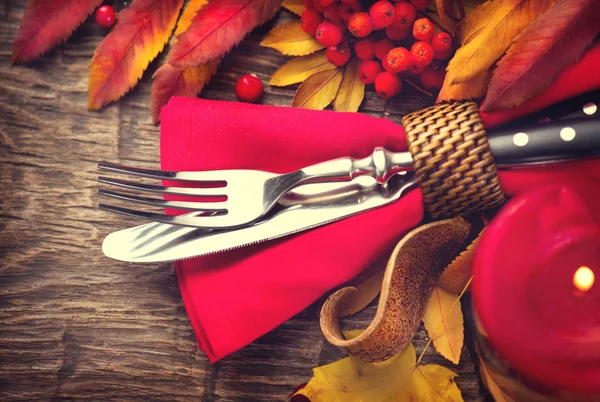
{"x": 352, "y": 90}
{"x": 410, "y": 277}
{"x": 170, "y": 81}
{"x": 444, "y": 324}
{"x": 217, "y": 28}
{"x": 295, "y": 6}
{"x": 474, "y": 88}
{"x": 458, "y": 273}
{"x": 318, "y": 90}
{"x": 141, "y": 32}
{"x": 545, "y": 48}
{"x": 491, "y": 385}
{"x": 366, "y": 292}
{"x": 291, "y": 40}
{"x": 300, "y": 68}
{"x": 448, "y": 14}
{"x": 47, "y": 23}
{"x": 495, "y": 31}
{"x": 398, "y": 379}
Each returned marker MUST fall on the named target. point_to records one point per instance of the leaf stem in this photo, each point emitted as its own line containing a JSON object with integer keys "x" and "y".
{"x": 418, "y": 88}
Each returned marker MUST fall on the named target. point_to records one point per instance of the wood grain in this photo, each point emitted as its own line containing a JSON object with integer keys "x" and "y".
{"x": 76, "y": 325}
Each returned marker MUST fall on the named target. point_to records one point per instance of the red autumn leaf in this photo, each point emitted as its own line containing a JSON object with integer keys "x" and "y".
{"x": 47, "y": 23}
{"x": 141, "y": 32}
{"x": 546, "y": 47}
{"x": 171, "y": 81}
{"x": 217, "y": 28}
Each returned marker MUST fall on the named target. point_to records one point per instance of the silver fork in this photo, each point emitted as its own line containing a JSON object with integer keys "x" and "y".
{"x": 250, "y": 194}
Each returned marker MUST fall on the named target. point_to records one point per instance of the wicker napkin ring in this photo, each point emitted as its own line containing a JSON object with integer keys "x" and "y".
{"x": 452, "y": 159}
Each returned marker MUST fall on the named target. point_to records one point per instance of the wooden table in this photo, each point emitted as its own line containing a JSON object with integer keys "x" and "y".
{"x": 75, "y": 324}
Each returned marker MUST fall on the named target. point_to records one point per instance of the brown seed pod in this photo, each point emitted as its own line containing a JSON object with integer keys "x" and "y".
{"x": 410, "y": 277}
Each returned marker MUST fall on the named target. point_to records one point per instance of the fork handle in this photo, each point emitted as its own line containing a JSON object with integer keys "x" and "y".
{"x": 381, "y": 164}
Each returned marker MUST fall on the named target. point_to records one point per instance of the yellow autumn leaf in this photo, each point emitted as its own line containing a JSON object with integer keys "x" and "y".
{"x": 366, "y": 292}
{"x": 491, "y": 35}
{"x": 474, "y": 88}
{"x": 300, "y": 68}
{"x": 318, "y": 90}
{"x": 457, "y": 274}
{"x": 291, "y": 40}
{"x": 398, "y": 379}
{"x": 352, "y": 89}
{"x": 444, "y": 323}
{"x": 295, "y": 6}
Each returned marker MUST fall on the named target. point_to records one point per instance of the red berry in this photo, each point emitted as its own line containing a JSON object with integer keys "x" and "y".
{"x": 360, "y": 24}
{"x": 339, "y": 55}
{"x": 395, "y": 33}
{"x": 399, "y": 60}
{"x": 348, "y": 1}
{"x": 420, "y": 4}
{"x": 328, "y": 34}
{"x": 416, "y": 69}
{"x": 248, "y": 88}
{"x": 346, "y": 10}
{"x": 388, "y": 85}
{"x": 310, "y": 20}
{"x": 324, "y": 3}
{"x": 421, "y": 53}
{"x": 386, "y": 65}
{"x": 317, "y": 6}
{"x": 369, "y": 70}
{"x": 431, "y": 78}
{"x": 105, "y": 16}
{"x": 308, "y": 3}
{"x": 382, "y": 14}
{"x": 332, "y": 14}
{"x": 423, "y": 29}
{"x": 441, "y": 42}
{"x": 443, "y": 55}
{"x": 382, "y": 48}
{"x": 405, "y": 15}
{"x": 364, "y": 49}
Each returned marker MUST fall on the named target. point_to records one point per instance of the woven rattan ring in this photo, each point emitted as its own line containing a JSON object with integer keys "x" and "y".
{"x": 452, "y": 159}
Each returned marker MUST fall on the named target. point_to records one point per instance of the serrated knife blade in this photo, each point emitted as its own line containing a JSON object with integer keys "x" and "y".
{"x": 159, "y": 242}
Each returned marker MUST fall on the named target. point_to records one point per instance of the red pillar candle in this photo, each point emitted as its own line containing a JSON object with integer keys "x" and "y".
{"x": 536, "y": 289}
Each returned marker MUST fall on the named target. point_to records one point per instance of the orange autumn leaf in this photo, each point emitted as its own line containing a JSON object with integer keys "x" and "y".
{"x": 170, "y": 81}
{"x": 217, "y": 28}
{"x": 447, "y": 13}
{"x": 544, "y": 49}
{"x": 493, "y": 33}
{"x": 141, "y": 32}
{"x": 445, "y": 324}
{"x": 47, "y": 23}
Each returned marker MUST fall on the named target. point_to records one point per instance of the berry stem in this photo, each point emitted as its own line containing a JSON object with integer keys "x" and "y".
{"x": 434, "y": 22}
{"x": 418, "y": 88}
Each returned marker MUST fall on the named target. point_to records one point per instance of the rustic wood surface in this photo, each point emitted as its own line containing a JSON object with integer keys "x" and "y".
{"x": 77, "y": 325}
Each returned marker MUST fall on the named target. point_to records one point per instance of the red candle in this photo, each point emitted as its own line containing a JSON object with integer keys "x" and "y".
{"x": 536, "y": 287}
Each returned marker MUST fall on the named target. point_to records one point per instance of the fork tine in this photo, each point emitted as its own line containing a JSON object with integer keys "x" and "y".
{"x": 208, "y": 222}
{"x": 209, "y": 176}
{"x": 198, "y": 192}
{"x": 189, "y": 205}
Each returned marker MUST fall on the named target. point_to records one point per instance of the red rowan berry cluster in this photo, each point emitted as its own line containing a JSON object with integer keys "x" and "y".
{"x": 387, "y": 36}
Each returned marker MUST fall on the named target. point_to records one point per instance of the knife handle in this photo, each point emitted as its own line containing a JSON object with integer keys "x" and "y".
{"x": 555, "y": 141}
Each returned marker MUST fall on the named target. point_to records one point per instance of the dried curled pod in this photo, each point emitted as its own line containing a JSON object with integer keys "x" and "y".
{"x": 410, "y": 277}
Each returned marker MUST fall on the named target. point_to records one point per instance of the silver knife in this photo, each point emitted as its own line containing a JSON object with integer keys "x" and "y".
{"x": 159, "y": 242}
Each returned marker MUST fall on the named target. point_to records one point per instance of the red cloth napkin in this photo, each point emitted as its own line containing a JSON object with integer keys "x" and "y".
{"x": 234, "y": 297}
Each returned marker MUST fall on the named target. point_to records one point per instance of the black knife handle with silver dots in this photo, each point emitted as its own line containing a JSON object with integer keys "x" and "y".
{"x": 570, "y": 130}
